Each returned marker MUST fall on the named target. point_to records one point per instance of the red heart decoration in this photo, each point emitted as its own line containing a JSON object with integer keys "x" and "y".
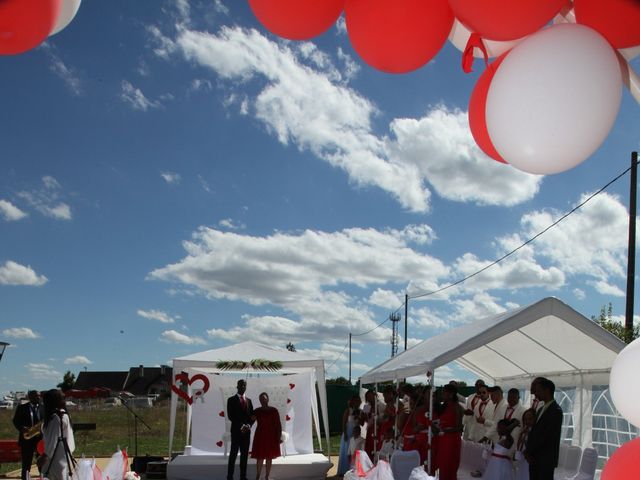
{"x": 288, "y": 400}
{"x": 221, "y": 413}
{"x": 292, "y": 386}
{"x": 219, "y": 443}
{"x": 288, "y": 418}
{"x": 184, "y": 378}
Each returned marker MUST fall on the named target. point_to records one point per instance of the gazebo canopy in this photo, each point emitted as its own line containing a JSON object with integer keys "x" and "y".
{"x": 547, "y": 338}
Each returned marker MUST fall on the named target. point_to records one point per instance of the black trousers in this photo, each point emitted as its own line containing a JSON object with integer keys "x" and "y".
{"x": 239, "y": 441}
{"x": 27, "y": 449}
{"x": 540, "y": 471}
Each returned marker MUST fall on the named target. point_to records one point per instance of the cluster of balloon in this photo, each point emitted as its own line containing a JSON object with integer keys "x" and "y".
{"x": 624, "y": 393}
{"x": 544, "y": 106}
{"x": 25, "y": 24}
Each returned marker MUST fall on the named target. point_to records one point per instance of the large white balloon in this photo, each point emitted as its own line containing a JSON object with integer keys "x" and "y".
{"x": 624, "y": 388}
{"x": 460, "y": 34}
{"x": 67, "y": 12}
{"x": 554, "y": 99}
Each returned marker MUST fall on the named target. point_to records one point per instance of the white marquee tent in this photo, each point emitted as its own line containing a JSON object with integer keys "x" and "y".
{"x": 292, "y": 363}
{"x": 547, "y": 338}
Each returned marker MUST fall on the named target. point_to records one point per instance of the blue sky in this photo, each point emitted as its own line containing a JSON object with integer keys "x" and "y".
{"x": 174, "y": 178}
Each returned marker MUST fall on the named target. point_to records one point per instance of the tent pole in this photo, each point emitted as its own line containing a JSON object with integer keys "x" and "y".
{"x": 432, "y": 392}
{"x": 375, "y": 423}
{"x": 395, "y": 422}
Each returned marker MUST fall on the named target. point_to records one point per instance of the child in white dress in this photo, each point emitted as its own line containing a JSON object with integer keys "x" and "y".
{"x": 499, "y": 466}
{"x": 355, "y": 443}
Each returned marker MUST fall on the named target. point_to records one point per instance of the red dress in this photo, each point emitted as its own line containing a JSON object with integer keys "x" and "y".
{"x": 449, "y": 444}
{"x": 266, "y": 440}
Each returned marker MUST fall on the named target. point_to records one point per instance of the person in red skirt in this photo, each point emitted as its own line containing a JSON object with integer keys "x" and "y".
{"x": 450, "y": 434}
{"x": 268, "y": 436}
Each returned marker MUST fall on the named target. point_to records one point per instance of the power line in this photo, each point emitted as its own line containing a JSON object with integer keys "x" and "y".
{"x": 338, "y": 357}
{"x": 495, "y": 262}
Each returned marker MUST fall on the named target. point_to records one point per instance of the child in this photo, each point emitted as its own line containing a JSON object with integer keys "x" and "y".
{"x": 499, "y": 466}
{"x": 356, "y": 443}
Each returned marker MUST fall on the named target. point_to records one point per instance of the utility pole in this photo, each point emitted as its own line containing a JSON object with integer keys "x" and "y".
{"x": 406, "y": 316}
{"x": 395, "y": 319}
{"x": 631, "y": 250}
{"x": 349, "y": 358}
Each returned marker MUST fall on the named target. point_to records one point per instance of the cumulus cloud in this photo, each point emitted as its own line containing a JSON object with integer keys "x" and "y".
{"x": 22, "y": 333}
{"x": 42, "y": 371}
{"x": 305, "y": 102}
{"x": 47, "y": 200}
{"x": 171, "y": 178}
{"x": 10, "y": 212}
{"x": 134, "y": 97}
{"x": 157, "y": 315}
{"x": 174, "y": 336}
{"x": 12, "y": 273}
{"x": 231, "y": 224}
{"x": 77, "y": 360}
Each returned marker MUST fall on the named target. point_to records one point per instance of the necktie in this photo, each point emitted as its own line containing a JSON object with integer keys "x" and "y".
{"x": 243, "y": 402}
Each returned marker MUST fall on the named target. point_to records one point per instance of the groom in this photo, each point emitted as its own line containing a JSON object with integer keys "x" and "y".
{"x": 239, "y": 412}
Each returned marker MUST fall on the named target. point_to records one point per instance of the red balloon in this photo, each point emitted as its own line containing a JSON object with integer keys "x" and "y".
{"x": 615, "y": 20}
{"x": 506, "y": 19}
{"x": 398, "y": 36}
{"x": 623, "y": 464}
{"x": 25, "y": 24}
{"x": 297, "y": 19}
{"x": 477, "y": 107}
{"x": 40, "y": 447}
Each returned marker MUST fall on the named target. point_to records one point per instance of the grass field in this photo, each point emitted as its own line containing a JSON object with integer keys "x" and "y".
{"x": 115, "y": 427}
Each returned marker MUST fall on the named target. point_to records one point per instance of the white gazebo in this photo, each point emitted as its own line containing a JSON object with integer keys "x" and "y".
{"x": 293, "y": 385}
{"x": 547, "y": 338}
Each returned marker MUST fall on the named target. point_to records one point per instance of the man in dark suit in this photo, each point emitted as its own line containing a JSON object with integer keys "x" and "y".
{"x": 239, "y": 412}
{"x": 26, "y": 416}
{"x": 543, "y": 444}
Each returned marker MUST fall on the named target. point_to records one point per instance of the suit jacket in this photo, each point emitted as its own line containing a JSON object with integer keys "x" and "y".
{"x": 22, "y": 418}
{"x": 237, "y": 415}
{"x": 543, "y": 443}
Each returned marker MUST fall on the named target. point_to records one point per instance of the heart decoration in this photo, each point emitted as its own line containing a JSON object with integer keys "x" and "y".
{"x": 221, "y": 413}
{"x": 183, "y": 377}
{"x": 292, "y": 386}
{"x": 288, "y": 418}
{"x": 219, "y": 443}
{"x": 288, "y": 400}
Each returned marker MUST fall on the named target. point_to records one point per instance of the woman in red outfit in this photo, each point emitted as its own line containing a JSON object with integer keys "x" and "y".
{"x": 267, "y": 439}
{"x": 450, "y": 434}
{"x": 421, "y": 424}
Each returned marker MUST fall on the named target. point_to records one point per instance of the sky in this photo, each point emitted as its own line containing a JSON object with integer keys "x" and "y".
{"x": 174, "y": 178}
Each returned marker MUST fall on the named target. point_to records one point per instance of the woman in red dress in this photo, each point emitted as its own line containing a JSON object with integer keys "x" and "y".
{"x": 450, "y": 434}
{"x": 267, "y": 439}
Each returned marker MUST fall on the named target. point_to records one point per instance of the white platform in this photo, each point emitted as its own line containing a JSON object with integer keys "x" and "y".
{"x": 214, "y": 467}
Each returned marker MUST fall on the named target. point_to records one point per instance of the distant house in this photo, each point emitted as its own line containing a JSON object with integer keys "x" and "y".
{"x": 114, "y": 381}
{"x": 149, "y": 381}
{"x": 138, "y": 381}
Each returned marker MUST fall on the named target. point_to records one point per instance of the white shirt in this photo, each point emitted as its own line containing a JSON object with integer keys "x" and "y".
{"x": 491, "y": 423}
{"x": 480, "y": 430}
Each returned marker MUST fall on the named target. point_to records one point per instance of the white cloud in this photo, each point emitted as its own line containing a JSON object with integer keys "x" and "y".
{"x": 157, "y": 315}
{"x": 605, "y": 288}
{"x": 171, "y": 178}
{"x": 579, "y": 294}
{"x": 46, "y": 200}
{"x": 135, "y": 98}
{"x": 10, "y": 212}
{"x": 22, "y": 333}
{"x": 12, "y": 273}
{"x": 386, "y": 298}
{"x": 77, "y": 360}
{"x": 305, "y": 102}
{"x": 176, "y": 337}
{"x": 231, "y": 224}
{"x": 42, "y": 371}
{"x": 68, "y": 74}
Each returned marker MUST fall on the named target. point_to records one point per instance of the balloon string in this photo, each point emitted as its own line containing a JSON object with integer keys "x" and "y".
{"x": 475, "y": 41}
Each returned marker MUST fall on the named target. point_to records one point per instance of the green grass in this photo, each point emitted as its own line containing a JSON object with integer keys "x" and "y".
{"x": 115, "y": 427}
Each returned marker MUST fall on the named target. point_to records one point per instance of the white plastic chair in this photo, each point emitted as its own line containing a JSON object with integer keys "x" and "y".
{"x": 402, "y": 463}
{"x": 588, "y": 465}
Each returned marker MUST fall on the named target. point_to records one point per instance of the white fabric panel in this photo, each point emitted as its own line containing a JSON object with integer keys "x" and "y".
{"x": 208, "y": 425}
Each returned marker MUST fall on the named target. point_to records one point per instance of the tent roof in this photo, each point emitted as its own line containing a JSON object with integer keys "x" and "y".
{"x": 547, "y": 338}
{"x": 247, "y": 351}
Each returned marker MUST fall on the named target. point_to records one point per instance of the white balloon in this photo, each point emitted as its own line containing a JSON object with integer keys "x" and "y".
{"x": 68, "y": 10}
{"x": 554, "y": 99}
{"x": 460, "y": 34}
{"x": 625, "y": 391}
